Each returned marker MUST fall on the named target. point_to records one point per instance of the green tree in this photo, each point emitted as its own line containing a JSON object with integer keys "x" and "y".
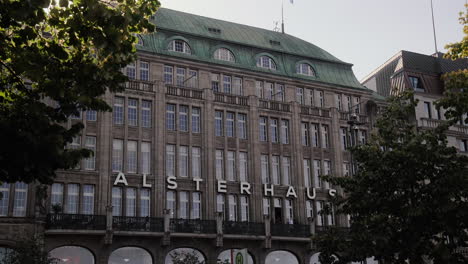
{"x": 55, "y": 60}
{"x": 28, "y": 251}
{"x": 456, "y": 83}
{"x": 185, "y": 257}
{"x": 408, "y": 199}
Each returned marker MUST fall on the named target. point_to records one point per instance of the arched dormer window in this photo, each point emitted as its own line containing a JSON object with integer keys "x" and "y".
{"x": 266, "y": 62}
{"x": 305, "y": 69}
{"x": 224, "y": 55}
{"x": 179, "y": 45}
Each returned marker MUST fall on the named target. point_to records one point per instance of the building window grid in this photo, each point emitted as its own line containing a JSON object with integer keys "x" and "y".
{"x": 168, "y": 74}
{"x": 305, "y": 134}
{"x": 88, "y": 199}
{"x": 144, "y": 71}
{"x": 91, "y": 115}
{"x": 170, "y": 117}
{"x": 118, "y": 111}
{"x": 263, "y": 129}
{"x": 180, "y": 76}
{"x": 196, "y": 120}
{"x": 274, "y": 130}
{"x": 132, "y": 156}
{"x": 242, "y": 126}
{"x": 275, "y": 169}
{"x": 171, "y": 203}
{"x": 145, "y": 202}
{"x": 130, "y": 202}
{"x": 219, "y": 123}
{"x": 146, "y": 113}
{"x": 317, "y": 174}
{"x": 230, "y": 124}
{"x": 183, "y": 118}
{"x": 73, "y": 194}
{"x": 284, "y": 131}
{"x": 183, "y": 161}
{"x": 90, "y": 163}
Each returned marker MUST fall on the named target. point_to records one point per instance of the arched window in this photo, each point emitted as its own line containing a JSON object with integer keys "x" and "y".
{"x": 266, "y": 62}
{"x": 226, "y": 256}
{"x": 184, "y": 255}
{"x": 305, "y": 69}
{"x": 315, "y": 258}
{"x": 72, "y": 254}
{"x": 130, "y": 255}
{"x": 224, "y": 55}
{"x": 179, "y": 45}
{"x": 281, "y": 256}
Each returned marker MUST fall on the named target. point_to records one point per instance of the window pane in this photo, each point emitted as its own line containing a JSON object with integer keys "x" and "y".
{"x": 132, "y": 157}
{"x": 117, "y": 155}
{"x": 145, "y": 158}
{"x": 219, "y": 164}
{"x": 145, "y": 202}
{"x": 170, "y": 202}
{"x": 183, "y": 205}
{"x": 196, "y": 120}
{"x": 146, "y": 113}
{"x": 265, "y": 169}
{"x": 116, "y": 201}
{"x": 183, "y": 161}
{"x": 90, "y": 163}
{"x": 196, "y": 206}
{"x": 219, "y": 123}
{"x": 183, "y": 118}
{"x": 118, "y": 110}
{"x": 130, "y": 202}
{"x": 243, "y": 167}
{"x": 231, "y": 166}
{"x": 170, "y": 117}
{"x": 88, "y": 199}
{"x": 170, "y": 160}
{"x": 144, "y": 71}
{"x": 73, "y": 195}
{"x": 196, "y": 162}
{"x": 5, "y": 193}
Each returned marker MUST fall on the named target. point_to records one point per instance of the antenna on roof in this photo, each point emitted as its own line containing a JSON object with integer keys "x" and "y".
{"x": 433, "y": 28}
{"x": 282, "y": 16}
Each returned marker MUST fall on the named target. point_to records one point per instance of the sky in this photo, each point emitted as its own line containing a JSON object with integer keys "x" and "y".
{"x": 365, "y": 33}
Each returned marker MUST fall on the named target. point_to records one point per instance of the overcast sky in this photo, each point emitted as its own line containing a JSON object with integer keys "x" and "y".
{"x": 365, "y": 33}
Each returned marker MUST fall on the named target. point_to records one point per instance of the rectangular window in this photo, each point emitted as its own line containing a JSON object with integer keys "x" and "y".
{"x": 146, "y": 113}
{"x": 195, "y": 213}
{"x": 130, "y": 71}
{"x": 145, "y": 202}
{"x": 348, "y": 103}
{"x": 170, "y": 117}
{"x": 305, "y": 134}
{"x": 196, "y": 121}
{"x": 180, "y": 76}
{"x": 193, "y": 81}
{"x": 243, "y": 167}
{"x": 76, "y": 116}
{"x": 317, "y": 174}
{"x": 309, "y": 209}
{"x": 326, "y": 171}
{"x": 145, "y": 158}
{"x": 215, "y": 82}
{"x": 357, "y": 104}
{"x": 183, "y": 205}
{"x": 428, "y": 109}
{"x": 289, "y": 211}
{"x": 264, "y": 169}
{"x": 196, "y": 162}
{"x": 219, "y": 123}
{"x": 20, "y": 200}
{"x": 183, "y": 118}
{"x": 284, "y": 131}
{"x": 144, "y": 71}
{"x": 325, "y": 137}
{"x": 463, "y": 145}
{"x": 279, "y": 93}
{"x": 220, "y": 205}
{"x": 269, "y": 91}
{"x": 307, "y": 179}
{"x": 274, "y": 130}
{"x": 416, "y": 83}
{"x": 132, "y": 159}
{"x": 90, "y": 143}
{"x": 118, "y": 111}
{"x": 230, "y": 124}
{"x": 266, "y": 206}
{"x": 286, "y": 167}
{"x": 362, "y": 136}
{"x": 237, "y": 86}
{"x": 300, "y": 95}
{"x": 231, "y": 165}
{"x": 346, "y": 169}
{"x": 263, "y": 129}
{"x": 73, "y": 198}
{"x": 232, "y": 207}
{"x": 338, "y": 102}
{"x": 244, "y": 208}
{"x": 227, "y": 84}
{"x": 56, "y": 195}
{"x": 170, "y": 160}
{"x": 116, "y": 201}
{"x": 315, "y": 135}
{"x": 331, "y": 215}
{"x": 241, "y": 126}
{"x": 320, "y": 217}
{"x": 171, "y": 203}
{"x": 87, "y": 204}
{"x": 4, "y": 201}
{"x": 219, "y": 164}
{"x": 321, "y": 102}
{"x": 130, "y": 202}
{"x": 259, "y": 89}
{"x": 168, "y": 74}
{"x": 344, "y": 138}
{"x": 275, "y": 169}
{"x": 117, "y": 155}
{"x": 183, "y": 161}
{"x": 91, "y": 115}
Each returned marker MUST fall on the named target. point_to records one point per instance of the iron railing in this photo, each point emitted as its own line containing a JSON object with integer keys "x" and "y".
{"x": 148, "y": 224}
{"x": 76, "y": 221}
{"x": 290, "y": 230}
{"x": 193, "y": 226}
{"x": 243, "y": 228}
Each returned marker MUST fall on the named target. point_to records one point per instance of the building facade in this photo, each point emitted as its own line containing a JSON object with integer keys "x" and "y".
{"x": 218, "y": 142}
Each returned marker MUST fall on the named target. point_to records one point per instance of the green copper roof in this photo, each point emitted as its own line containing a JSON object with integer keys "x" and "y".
{"x": 246, "y": 43}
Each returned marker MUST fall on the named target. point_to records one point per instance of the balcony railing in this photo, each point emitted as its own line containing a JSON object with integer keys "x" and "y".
{"x": 360, "y": 118}
{"x": 148, "y": 224}
{"x": 231, "y": 99}
{"x": 193, "y": 226}
{"x": 273, "y": 105}
{"x": 315, "y": 111}
{"x": 243, "y": 228}
{"x": 139, "y": 85}
{"x": 293, "y": 230}
{"x": 184, "y": 92}
{"x": 76, "y": 221}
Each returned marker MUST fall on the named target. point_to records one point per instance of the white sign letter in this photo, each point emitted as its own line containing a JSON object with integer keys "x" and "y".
{"x": 145, "y": 184}
{"x": 121, "y": 179}
{"x": 267, "y": 190}
{"x": 171, "y": 182}
{"x": 332, "y": 192}
{"x": 222, "y": 186}
{"x": 197, "y": 183}
{"x": 291, "y": 191}
{"x": 245, "y": 186}
{"x": 311, "y": 197}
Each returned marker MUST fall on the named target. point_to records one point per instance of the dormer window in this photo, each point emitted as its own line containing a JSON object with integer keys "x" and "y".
{"x": 266, "y": 62}
{"x": 416, "y": 83}
{"x": 224, "y": 55}
{"x": 179, "y": 46}
{"x": 305, "y": 69}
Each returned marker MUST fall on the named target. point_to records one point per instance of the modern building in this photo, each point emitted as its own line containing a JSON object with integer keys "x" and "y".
{"x": 421, "y": 73}
{"x": 218, "y": 142}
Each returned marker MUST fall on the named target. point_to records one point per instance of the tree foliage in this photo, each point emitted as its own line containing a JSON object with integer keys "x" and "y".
{"x": 456, "y": 83}
{"x": 55, "y": 60}
{"x": 28, "y": 251}
{"x": 408, "y": 198}
{"x": 185, "y": 257}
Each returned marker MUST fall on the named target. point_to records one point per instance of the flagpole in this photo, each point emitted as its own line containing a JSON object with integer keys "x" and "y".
{"x": 433, "y": 27}
{"x": 282, "y": 16}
